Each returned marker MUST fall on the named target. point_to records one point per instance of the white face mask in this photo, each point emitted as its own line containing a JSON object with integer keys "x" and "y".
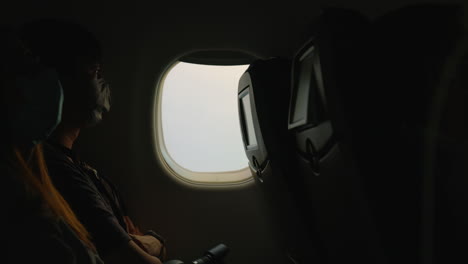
{"x": 100, "y": 100}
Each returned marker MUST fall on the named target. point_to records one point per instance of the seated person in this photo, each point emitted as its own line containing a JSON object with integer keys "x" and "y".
{"x": 76, "y": 55}
{"x": 38, "y": 224}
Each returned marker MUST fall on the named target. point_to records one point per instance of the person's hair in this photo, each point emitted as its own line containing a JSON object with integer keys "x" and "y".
{"x": 59, "y": 43}
{"x": 33, "y": 173}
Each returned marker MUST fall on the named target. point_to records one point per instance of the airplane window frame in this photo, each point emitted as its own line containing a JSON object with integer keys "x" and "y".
{"x": 230, "y": 179}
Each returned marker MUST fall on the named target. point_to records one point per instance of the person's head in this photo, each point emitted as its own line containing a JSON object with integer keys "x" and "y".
{"x": 76, "y": 55}
{"x": 30, "y": 105}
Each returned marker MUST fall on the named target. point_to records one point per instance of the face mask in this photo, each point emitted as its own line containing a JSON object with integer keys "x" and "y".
{"x": 34, "y": 118}
{"x": 100, "y": 100}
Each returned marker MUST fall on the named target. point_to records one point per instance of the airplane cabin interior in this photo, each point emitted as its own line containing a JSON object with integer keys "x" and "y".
{"x": 345, "y": 121}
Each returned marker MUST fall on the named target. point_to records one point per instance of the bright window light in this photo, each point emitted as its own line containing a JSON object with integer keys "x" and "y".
{"x": 200, "y": 121}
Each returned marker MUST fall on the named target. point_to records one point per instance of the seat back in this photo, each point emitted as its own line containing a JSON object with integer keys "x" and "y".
{"x": 327, "y": 103}
{"x": 413, "y": 192}
{"x": 263, "y": 98}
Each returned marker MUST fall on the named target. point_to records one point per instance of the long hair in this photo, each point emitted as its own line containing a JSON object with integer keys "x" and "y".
{"x": 34, "y": 174}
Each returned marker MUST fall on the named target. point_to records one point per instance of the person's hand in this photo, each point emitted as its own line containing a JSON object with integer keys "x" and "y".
{"x": 149, "y": 244}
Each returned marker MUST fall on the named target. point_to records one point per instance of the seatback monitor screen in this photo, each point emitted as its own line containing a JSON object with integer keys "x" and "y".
{"x": 304, "y": 90}
{"x": 248, "y": 121}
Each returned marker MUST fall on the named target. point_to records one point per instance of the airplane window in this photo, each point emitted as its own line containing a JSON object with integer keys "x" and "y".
{"x": 199, "y": 125}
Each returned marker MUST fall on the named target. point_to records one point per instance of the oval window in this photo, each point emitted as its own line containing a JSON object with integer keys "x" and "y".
{"x": 198, "y": 123}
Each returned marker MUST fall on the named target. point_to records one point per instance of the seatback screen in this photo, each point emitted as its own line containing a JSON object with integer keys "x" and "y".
{"x": 304, "y": 89}
{"x": 248, "y": 121}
